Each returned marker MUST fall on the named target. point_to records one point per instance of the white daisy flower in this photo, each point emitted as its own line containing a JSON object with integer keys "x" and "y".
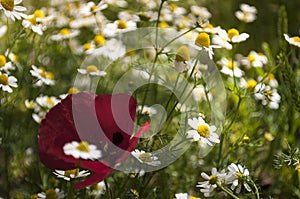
{"x": 184, "y": 196}
{"x": 247, "y": 13}
{"x": 64, "y": 34}
{"x": 4, "y": 65}
{"x": 47, "y": 102}
{"x": 207, "y": 187}
{"x": 113, "y": 49}
{"x": 200, "y": 12}
{"x": 34, "y": 22}
{"x": 200, "y": 95}
{"x": 181, "y": 59}
{"x": 97, "y": 189}
{"x": 12, "y": 10}
{"x": 202, "y": 42}
{"x": 118, "y": 3}
{"x": 295, "y": 41}
{"x": 82, "y": 150}
{"x": 118, "y": 26}
{"x": 6, "y": 82}
{"x": 147, "y": 110}
{"x": 71, "y": 174}
{"x": 91, "y": 8}
{"x": 269, "y": 96}
{"x": 230, "y": 68}
{"x": 145, "y": 157}
{"x": 238, "y": 176}
{"x": 202, "y": 132}
{"x": 51, "y": 193}
{"x": 92, "y": 70}
{"x": 44, "y": 77}
{"x": 257, "y": 60}
{"x": 231, "y": 36}
{"x": 209, "y": 28}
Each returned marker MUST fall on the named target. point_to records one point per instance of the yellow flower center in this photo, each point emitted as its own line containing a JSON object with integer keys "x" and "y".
{"x": 87, "y": 46}
{"x": 203, "y": 40}
{"x": 213, "y": 179}
{"x": 173, "y": 7}
{"x": 99, "y": 40}
{"x": 65, "y": 31}
{"x": 122, "y": 24}
{"x": 251, "y": 84}
{"x": 39, "y": 14}
{"x": 3, "y": 79}
{"x": 163, "y": 24}
{"x": 83, "y": 146}
{"x": 145, "y": 157}
{"x": 182, "y": 54}
{"x": 193, "y": 197}
{"x": 73, "y": 90}
{"x": 50, "y": 101}
{"x": 231, "y": 65}
{"x": 51, "y": 194}
{"x": 232, "y": 32}
{"x": 269, "y": 137}
{"x": 34, "y": 196}
{"x": 93, "y": 8}
{"x": 50, "y": 75}
{"x": 91, "y": 68}
{"x": 2, "y": 61}
{"x": 210, "y": 26}
{"x": 32, "y": 20}
{"x": 270, "y": 76}
{"x": 296, "y": 39}
{"x": 74, "y": 172}
{"x": 251, "y": 58}
{"x": 8, "y": 4}
{"x": 203, "y": 130}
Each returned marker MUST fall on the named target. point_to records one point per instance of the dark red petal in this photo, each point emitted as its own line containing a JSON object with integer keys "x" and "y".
{"x": 101, "y": 172}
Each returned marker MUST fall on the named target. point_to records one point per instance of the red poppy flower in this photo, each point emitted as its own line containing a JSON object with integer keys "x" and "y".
{"x": 106, "y": 121}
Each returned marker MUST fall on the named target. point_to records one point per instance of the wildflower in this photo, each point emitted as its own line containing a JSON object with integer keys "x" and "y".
{"x": 97, "y": 121}
{"x": 267, "y": 95}
{"x": 230, "y": 68}
{"x": 184, "y": 196}
{"x": 34, "y": 22}
{"x": 257, "y": 60}
{"x": 118, "y": 3}
{"x": 147, "y": 110}
{"x": 113, "y": 49}
{"x": 268, "y": 136}
{"x": 65, "y": 34}
{"x": 200, "y": 12}
{"x": 225, "y": 39}
{"x": 145, "y": 157}
{"x": 51, "y": 193}
{"x": 203, "y": 42}
{"x": 71, "y": 174}
{"x": 44, "y": 77}
{"x": 209, "y": 28}
{"x": 295, "y": 41}
{"x": 4, "y": 65}
{"x": 272, "y": 80}
{"x": 118, "y": 26}
{"x": 12, "y": 10}
{"x": 247, "y": 13}
{"x": 6, "y": 82}
{"x": 199, "y": 94}
{"x": 91, "y": 8}
{"x": 207, "y": 187}
{"x": 82, "y": 150}
{"x": 181, "y": 58}
{"x": 238, "y": 176}
{"x": 202, "y": 132}
{"x": 97, "y": 189}
{"x": 92, "y": 70}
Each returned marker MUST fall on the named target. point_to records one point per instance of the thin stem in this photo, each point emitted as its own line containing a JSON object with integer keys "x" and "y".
{"x": 256, "y": 189}
{"x": 227, "y": 191}
{"x": 71, "y": 190}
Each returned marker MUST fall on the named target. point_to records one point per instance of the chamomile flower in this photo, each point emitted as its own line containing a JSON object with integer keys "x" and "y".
{"x": 34, "y": 22}
{"x": 268, "y": 96}
{"x": 238, "y": 176}
{"x": 71, "y": 174}
{"x": 181, "y": 58}
{"x": 231, "y": 36}
{"x": 199, "y": 94}
{"x": 254, "y": 59}
{"x": 295, "y": 41}
{"x": 247, "y": 13}
{"x": 51, "y": 193}
{"x": 92, "y": 70}
{"x": 147, "y": 110}
{"x": 200, "y": 12}
{"x": 47, "y": 102}
{"x": 43, "y": 76}
{"x": 207, "y": 187}
{"x": 145, "y": 157}
{"x": 65, "y": 34}
{"x": 118, "y": 26}
{"x": 91, "y": 8}
{"x": 12, "y": 9}
{"x": 202, "y": 41}
{"x": 113, "y": 49}
{"x": 4, "y": 65}
{"x": 97, "y": 189}
{"x": 82, "y": 150}
{"x": 230, "y": 68}
{"x": 203, "y": 132}
{"x": 118, "y": 3}
{"x": 184, "y": 196}
{"x": 6, "y": 82}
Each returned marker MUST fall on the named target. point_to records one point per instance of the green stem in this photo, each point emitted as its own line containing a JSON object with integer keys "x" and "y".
{"x": 227, "y": 191}
{"x": 71, "y": 190}
{"x": 256, "y": 189}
